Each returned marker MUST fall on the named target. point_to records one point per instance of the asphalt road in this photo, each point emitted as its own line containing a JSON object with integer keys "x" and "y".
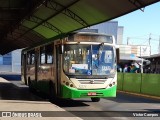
{"x": 124, "y": 106}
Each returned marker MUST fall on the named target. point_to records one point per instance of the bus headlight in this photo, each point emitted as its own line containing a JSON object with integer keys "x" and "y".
{"x": 112, "y": 71}
{"x": 71, "y": 85}
{"x": 67, "y": 83}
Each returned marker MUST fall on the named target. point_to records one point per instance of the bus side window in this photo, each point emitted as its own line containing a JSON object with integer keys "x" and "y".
{"x": 49, "y": 54}
{"x": 42, "y": 55}
{"x": 31, "y": 57}
{"x": 49, "y": 59}
{"x": 46, "y": 54}
{"x": 28, "y": 58}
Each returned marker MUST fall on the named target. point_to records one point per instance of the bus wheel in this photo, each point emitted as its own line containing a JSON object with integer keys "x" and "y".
{"x": 25, "y": 81}
{"x": 52, "y": 95}
{"x": 30, "y": 85}
{"x": 95, "y": 99}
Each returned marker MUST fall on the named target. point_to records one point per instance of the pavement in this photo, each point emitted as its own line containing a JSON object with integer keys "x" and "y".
{"x": 141, "y": 95}
{"x": 15, "y": 104}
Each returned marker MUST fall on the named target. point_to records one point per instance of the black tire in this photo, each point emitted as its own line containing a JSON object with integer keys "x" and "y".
{"x": 29, "y": 83}
{"x": 31, "y": 89}
{"x": 95, "y": 99}
{"x": 52, "y": 94}
{"x": 25, "y": 81}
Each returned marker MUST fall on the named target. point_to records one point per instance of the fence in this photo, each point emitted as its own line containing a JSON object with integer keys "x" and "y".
{"x": 139, "y": 83}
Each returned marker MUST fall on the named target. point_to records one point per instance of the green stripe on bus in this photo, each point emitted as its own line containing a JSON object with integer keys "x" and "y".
{"x": 68, "y": 92}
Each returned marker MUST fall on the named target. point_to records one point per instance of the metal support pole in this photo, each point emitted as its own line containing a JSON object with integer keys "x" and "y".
{"x": 150, "y": 42}
{"x": 141, "y": 59}
{"x": 159, "y": 45}
{"x": 127, "y": 40}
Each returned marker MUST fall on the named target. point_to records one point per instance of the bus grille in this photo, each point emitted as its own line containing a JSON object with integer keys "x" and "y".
{"x": 91, "y": 81}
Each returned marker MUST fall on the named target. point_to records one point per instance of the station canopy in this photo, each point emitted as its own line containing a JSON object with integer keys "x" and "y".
{"x": 24, "y": 23}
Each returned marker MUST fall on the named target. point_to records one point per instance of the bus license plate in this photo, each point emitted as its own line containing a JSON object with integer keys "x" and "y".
{"x": 91, "y": 93}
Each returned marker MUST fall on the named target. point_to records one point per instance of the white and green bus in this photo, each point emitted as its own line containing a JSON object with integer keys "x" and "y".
{"x": 79, "y": 65}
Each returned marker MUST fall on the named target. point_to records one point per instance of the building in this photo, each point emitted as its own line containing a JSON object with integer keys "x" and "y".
{"x": 154, "y": 67}
{"x": 111, "y": 28}
{"x": 11, "y": 62}
{"x": 134, "y": 50}
{"x": 120, "y": 35}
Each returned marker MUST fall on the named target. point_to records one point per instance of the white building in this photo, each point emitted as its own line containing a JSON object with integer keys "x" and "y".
{"x": 11, "y": 62}
{"x": 111, "y": 28}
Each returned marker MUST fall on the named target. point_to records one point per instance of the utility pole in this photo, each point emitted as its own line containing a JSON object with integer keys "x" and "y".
{"x": 150, "y": 42}
{"x": 159, "y": 45}
{"x": 150, "y": 39}
{"x": 141, "y": 59}
{"x": 127, "y": 40}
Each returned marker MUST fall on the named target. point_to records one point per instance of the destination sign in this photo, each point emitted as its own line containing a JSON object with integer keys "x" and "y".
{"x": 93, "y": 38}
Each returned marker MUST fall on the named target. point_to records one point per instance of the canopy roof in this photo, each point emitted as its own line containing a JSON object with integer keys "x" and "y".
{"x": 24, "y": 23}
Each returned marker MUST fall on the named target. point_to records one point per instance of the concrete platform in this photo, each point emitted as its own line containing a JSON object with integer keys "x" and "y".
{"x": 16, "y": 98}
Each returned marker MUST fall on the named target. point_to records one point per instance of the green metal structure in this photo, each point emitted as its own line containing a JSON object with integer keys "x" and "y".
{"x": 24, "y": 23}
{"x": 139, "y": 83}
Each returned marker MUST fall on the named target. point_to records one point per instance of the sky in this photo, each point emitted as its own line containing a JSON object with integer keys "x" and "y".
{"x": 139, "y": 26}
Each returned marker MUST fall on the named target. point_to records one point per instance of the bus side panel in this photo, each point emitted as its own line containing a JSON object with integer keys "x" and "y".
{"x": 46, "y": 70}
{"x": 45, "y": 77}
{"x": 30, "y": 72}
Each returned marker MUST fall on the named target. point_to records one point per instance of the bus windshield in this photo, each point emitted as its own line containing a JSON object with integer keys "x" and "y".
{"x": 88, "y": 59}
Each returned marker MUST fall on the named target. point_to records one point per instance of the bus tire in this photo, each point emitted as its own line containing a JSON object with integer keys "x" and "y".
{"x": 52, "y": 95}
{"x": 94, "y": 99}
{"x": 25, "y": 81}
{"x": 31, "y": 89}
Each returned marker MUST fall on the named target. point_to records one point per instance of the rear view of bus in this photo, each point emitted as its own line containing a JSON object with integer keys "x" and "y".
{"x": 89, "y": 66}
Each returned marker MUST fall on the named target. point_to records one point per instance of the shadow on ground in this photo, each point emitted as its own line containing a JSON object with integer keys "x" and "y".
{"x": 9, "y": 91}
{"x": 128, "y": 98}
